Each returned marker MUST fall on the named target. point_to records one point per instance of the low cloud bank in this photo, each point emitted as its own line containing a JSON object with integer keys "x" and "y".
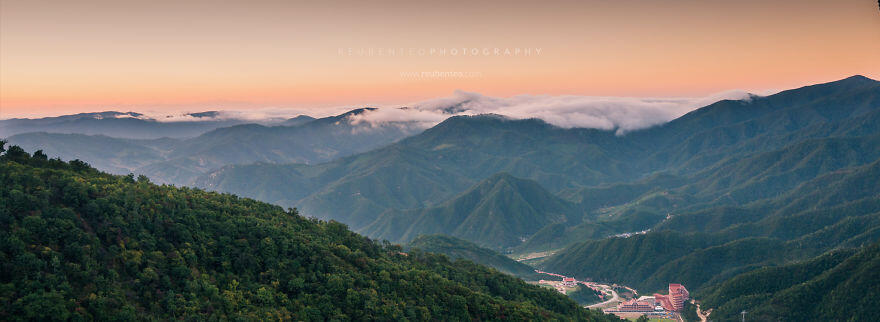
{"x": 261, "y": 115}
{"x": 621, "y": 114}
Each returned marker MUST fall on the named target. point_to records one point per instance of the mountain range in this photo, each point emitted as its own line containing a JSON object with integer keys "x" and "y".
{"x": 720, "y": 192}
{"x": 427, "y": 171}
{"x": 725, "y": 193}
{"x": 179, "y": 161}
{"x": 129, "y": 125}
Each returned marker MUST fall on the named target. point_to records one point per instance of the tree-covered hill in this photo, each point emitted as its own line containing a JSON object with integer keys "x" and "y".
{"x": 842, "y": 285}
{"x": 461, "y": 249}
{"x": 496, "y": 213}
{"x": 811, "y": 189}
{"x": 80, "y": 244}
{"x": 628, "y": 261}
{"x": 838, "y": 210}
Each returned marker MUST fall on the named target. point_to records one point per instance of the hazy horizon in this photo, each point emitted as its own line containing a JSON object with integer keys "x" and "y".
{"x": 64, "y": 58}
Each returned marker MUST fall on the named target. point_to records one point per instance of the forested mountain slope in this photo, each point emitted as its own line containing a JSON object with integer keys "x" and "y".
{"x": 434, "y": 166}
{"x": 838, "y": 286}
{"x": 496, "y": 213}
{"x": 838, "y": 209}
{"x": 81, "y": 244}
{"x": 461, "y": 249}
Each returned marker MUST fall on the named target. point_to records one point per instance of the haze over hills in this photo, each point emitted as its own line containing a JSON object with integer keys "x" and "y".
{"x": 128, "y": 125}
{"x": 302, "y": 139}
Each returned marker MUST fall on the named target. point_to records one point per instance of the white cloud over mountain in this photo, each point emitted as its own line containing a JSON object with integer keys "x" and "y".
{"x": 609, "y": 113}
{"x": 622, "y": 114}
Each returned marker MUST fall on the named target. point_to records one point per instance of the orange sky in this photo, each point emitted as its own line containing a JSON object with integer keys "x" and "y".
{"x": 60, "y": 57}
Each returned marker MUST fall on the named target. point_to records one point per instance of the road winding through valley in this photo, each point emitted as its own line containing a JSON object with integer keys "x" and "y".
{"x": 614, "y": 300}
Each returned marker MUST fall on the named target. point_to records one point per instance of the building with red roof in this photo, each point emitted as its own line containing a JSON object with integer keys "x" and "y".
{"x": 636, "y": 306}
{"x": 678, "y": 294}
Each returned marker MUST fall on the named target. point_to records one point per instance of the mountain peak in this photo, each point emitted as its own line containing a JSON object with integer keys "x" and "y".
{"x": 502, "y": 177}
{"x": 859, "y": 78}
{"x": 301, "y": 119}
{"x": 205, "y": 114}
{"x": 486, "y": 120}
{"x": 357, "y": 111}
{"x": 852, "y": 81}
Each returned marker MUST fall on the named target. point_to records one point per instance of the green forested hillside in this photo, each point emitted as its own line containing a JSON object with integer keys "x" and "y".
{"x": 706, "y": 135}
{"x": 76, "y": 243}
{"x": 629, "y": 261}
{"x": 763, "y": 208}
{"x": 496, "y": 213}
{"x": 838, "y": 286}
{"x": 841, "y": 209}
{"x": 461, "y": 249}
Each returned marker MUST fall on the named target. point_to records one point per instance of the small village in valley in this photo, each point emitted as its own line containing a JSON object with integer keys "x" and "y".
{"x": 625, "y": 301}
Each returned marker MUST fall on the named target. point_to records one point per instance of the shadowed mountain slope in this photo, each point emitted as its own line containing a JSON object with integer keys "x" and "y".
{"x": 461, "y": 249}
{"x": 496, "y": 213}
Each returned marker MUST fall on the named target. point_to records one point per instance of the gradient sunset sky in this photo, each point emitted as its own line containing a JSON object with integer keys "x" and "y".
{"x": 59, "y": 57}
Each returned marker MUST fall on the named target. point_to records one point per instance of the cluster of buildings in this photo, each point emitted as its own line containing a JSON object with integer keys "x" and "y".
{"x": 568, "y": 282}
{"x": 657, "y": 305}
{"x": 628, "y": 235}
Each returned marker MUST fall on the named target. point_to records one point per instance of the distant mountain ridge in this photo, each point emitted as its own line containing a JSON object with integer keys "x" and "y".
{"x": 126, "y": 125}
{"x": 179, "y": 161}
